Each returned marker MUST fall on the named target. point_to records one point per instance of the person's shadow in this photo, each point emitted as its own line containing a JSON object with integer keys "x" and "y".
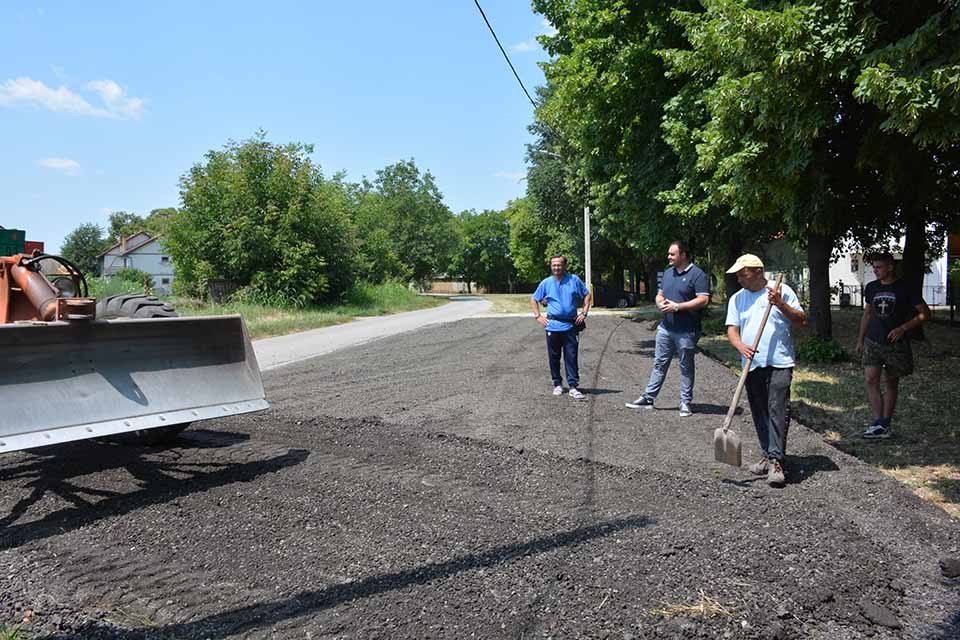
{"x": 798, "y": 470}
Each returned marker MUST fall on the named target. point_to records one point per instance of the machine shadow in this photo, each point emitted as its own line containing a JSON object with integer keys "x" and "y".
{"x": 162, "y": 475}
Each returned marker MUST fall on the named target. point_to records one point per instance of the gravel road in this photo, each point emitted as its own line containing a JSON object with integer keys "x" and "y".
{"x": 427, "y": 485}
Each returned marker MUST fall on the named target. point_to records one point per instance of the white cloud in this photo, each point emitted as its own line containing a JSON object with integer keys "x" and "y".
{"x": 116, "y": 104}
{"x": 532, "y": 44}
{"x": 116, "y": 99}
{"x": 516, "y": 177}
{"x": 66, "y": 165}
{"x": 524, "y": 47}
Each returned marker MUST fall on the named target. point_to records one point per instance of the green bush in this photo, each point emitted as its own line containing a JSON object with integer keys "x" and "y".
{"x": 105, "y": 287}
{"x": 816, "y": 351}
{"x": 136, "y": 276}
{"x": 713, "y": 321}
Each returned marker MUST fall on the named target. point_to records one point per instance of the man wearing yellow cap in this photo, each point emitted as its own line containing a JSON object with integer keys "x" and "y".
{"x": 771, "y": 371}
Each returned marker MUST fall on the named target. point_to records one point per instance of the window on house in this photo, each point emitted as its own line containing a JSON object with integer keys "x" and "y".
{"x": 164, "y": 259}
{"x": 164, "y": 280}
{"x": 855, "y": 264}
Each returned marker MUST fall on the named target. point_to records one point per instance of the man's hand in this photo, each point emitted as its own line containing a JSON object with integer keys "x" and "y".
{"x": 666, "y": 306}
{"x": 896, "y": 334}
{"x": 860, "y": 348}
{"x": 581, "y": 318}
{"x": 775, "y": 297}
{"x": 542, "y": 319}
{"x": 745, "y": 350}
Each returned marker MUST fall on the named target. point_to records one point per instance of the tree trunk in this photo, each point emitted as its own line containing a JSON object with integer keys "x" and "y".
{"x": 733, "y": 250}
{"x": 618, "y": 276}
{"x": 914, "y": 264}
{"x": 819, "y": 249}
{"x": 651, "y": 282}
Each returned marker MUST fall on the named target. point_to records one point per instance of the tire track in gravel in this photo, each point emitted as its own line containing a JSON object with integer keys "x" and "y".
{"x": 586, "y": 503}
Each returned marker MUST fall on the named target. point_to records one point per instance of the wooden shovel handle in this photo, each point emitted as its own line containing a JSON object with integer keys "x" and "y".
{"x": 746, "y": 366}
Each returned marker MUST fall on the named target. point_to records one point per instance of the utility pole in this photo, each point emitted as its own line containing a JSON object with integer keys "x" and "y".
{"x": 586, "y": 247}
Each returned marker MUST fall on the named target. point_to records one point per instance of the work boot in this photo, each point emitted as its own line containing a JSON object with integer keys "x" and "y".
{"x": 776, "y": 477}
{"x": 558, "y": 390}
{"x": 643, "y": 402}
{"x": 760, "y": 467}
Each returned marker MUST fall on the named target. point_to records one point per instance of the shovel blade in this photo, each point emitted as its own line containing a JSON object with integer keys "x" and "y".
{"x": 726, "y": 447}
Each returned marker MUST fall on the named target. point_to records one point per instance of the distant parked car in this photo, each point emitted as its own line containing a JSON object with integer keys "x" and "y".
{"x": 605, "y": 296}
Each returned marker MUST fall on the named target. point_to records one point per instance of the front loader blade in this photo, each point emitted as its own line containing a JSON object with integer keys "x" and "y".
{"x": 71, "y": 381}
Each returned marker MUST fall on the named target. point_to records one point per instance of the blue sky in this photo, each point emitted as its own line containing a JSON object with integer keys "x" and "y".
{"x": 104, "y": 105}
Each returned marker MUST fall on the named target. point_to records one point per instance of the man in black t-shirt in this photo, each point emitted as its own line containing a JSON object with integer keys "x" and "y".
{"x": 890, "y": 312}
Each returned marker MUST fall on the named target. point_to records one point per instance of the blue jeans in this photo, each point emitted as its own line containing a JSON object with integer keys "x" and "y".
{"x": 684, "y": 346}
{"x": 567, "y": 342}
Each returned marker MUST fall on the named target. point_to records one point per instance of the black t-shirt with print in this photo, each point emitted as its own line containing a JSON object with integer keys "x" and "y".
{"x": 893, "y": 304}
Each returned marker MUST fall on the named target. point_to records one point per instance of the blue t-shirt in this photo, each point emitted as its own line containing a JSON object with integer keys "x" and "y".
{"x": 562, "y": 297}
{"x": 745, "y": 311}
{"x": 683, "y": 287}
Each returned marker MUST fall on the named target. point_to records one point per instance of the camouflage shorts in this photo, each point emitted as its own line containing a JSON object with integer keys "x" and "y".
{"x": 896, "y": 357}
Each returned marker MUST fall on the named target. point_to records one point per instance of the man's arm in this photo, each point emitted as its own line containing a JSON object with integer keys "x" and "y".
{"x": 699, "y": 302}
{"x": 794, "y": 315}
{"x": 923, "y": 313}
{"x": 733, "y": 335}
{"x": 535, "y": 305}
{"x": 587, "y": 301}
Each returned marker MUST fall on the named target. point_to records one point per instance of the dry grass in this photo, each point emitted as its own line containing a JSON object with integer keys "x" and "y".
{"x": 705, "y": 607}
{"x": 924, "y": 451}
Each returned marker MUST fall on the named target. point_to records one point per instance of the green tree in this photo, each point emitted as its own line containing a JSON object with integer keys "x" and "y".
{"x": 263, "y": 215}
{"x": 409, "y": 207}
{"x": 484, "y": 255}
{"x": 123, "y": 224}
{"x": 83, "y": 245}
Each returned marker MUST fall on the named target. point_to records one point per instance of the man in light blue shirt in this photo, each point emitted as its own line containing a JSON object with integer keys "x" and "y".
{"x": 563, "y": 324}
{"x": 771, "y": 370}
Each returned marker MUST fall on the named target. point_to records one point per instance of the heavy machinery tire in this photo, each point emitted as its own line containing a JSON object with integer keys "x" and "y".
{"x": 138, "y": 305}
{"x": 134, "y": 305}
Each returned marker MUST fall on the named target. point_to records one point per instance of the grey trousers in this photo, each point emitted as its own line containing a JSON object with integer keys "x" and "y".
{"x": 668, "y": 344}
{"x": 768, "y": 390}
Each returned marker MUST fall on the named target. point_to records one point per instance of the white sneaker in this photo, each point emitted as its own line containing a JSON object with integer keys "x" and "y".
{"x": 575, "y": 393}
{"x": 558, "y": 391}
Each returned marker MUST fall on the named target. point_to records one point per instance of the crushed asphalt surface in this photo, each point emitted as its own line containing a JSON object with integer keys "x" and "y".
{"x": 428, "y": 485}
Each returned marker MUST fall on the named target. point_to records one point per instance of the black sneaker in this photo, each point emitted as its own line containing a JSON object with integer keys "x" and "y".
{"x": 643, "y": 402}
{"x": 876, "y": 431}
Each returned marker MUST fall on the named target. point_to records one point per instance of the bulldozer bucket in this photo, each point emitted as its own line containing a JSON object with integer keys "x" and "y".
{"x": 71, "y": 381}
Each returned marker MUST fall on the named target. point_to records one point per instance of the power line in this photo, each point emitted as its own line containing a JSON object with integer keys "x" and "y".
{"x": 503, "y": 51}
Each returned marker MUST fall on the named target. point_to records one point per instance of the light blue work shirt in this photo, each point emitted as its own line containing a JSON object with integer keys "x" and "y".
{"x": 745, "y": 311}
{"x": 562, "y": 297}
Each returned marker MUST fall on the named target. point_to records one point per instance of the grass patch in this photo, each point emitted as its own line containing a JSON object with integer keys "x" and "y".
{"x": 924, "y": 451}
{"x": 11, "y": 633}
{"x": 705, "y": 607}
{"x": 509, "y": 302}
{"x": 362, "y": 300}
{"x": 520, "y": 303}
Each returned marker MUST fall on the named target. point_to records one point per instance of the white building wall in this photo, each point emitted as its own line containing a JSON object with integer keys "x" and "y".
{"x": 851, "y": 269}
{"x": 149, "y": 257}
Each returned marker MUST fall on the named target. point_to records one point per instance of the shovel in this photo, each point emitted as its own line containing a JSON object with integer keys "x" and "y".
{"x": 726, "y": 443}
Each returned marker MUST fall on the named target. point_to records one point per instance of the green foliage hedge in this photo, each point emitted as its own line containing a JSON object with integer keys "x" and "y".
{"x": 816, "y": 351}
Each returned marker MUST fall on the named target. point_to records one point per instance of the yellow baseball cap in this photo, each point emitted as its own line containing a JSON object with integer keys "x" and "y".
{"x": 746, "y": 260}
